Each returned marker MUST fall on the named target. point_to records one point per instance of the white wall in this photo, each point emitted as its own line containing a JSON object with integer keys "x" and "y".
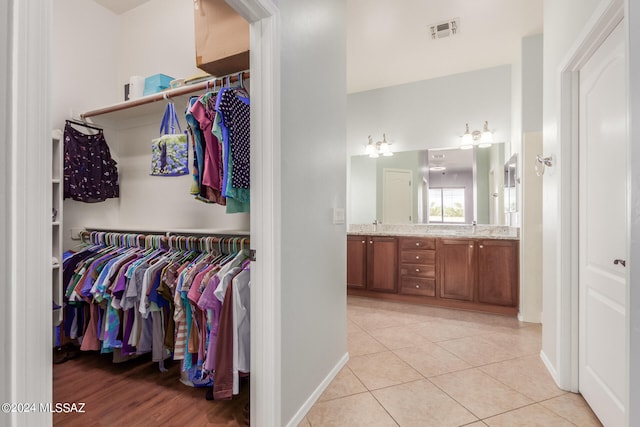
{"x": 562, "y": 23}
{"x": 313, "y": 165}
{"x": 431, "y": 113}
{"x": 516, "y": 106}
{"x": 532, "y": 59}
{"x": 83, "y": 78}
{"x": 157, "y": 37}
{"x": 84, "y": 56}
{"x": 90, "y": 71}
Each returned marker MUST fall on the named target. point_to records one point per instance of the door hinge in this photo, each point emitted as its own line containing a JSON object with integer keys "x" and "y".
{"x": 252, "y": 254}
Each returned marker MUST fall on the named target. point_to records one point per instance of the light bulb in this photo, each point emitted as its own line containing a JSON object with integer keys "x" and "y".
{"x": 467, "y": 139}
{"x": 487, "y": 137}
{"x": 370, "y": 148}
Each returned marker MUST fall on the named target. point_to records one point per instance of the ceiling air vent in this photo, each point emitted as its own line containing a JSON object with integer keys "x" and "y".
{"x": 445, "y": 29}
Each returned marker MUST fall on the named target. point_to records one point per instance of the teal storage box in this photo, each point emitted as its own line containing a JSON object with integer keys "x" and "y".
{"x": 156, "y": 83}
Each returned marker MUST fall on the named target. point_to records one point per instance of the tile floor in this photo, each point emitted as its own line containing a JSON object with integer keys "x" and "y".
{"x": 427, "y": 366}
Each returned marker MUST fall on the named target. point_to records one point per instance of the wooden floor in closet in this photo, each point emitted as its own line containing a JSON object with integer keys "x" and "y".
{"x": 136, "y": 393}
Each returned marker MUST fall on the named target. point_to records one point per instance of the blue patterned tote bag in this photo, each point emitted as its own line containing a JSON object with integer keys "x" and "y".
{"x": 170, "y": 152}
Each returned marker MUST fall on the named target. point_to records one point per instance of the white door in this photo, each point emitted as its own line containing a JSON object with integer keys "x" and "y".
{"x": 603, "y": 231}
{"x": 397, "y": 196}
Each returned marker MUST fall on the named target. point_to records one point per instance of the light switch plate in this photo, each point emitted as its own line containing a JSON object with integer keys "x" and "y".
{"x": 338, "y": 215}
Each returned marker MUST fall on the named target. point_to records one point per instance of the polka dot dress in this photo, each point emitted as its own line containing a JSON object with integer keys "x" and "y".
{"x": 234, "y": 107}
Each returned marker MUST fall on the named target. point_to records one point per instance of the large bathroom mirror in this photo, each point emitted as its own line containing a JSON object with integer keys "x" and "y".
{"x": 435, "y": 186}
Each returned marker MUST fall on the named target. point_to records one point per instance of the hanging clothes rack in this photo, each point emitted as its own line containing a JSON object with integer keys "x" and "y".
{"x": 168, "y": 94}
{"x": 182, "y": 292}
{"x": 170, "y": 240}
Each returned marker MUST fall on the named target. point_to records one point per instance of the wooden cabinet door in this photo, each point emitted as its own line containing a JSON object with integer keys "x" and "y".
{"x": 456, "y": 269}
{"x": 357, "y": 262}
{"x": 498, "y": 272}
{"x": 382, "y": 259}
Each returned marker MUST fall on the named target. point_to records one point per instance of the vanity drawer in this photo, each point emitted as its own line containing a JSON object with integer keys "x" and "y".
{"x": 418, "y": 257}
{"x": 417, "y": 243}
{"x": 423, "y": 270}
{"x": 418, "y": 286}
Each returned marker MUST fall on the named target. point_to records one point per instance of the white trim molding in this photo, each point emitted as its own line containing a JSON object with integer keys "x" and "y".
{"x": 605, "y": 18}
{"x": 26, "y": 240}
{"x": 6, "y": 96}
{"x": 632, "y": 14}
{"x": 266, "y": 378}
{"x": 306, "y": 407}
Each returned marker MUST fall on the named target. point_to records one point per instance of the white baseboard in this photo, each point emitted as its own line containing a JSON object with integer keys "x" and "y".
{"x": 550, "y": 368}
{"x": 302, "y": 412}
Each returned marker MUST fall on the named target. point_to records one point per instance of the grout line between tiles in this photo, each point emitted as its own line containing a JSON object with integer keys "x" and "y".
{"x": 511, "y": 410}
{"x": 385, "y": 409}
{"x": 453, "y": 398}
{"x": 562, "y": 416}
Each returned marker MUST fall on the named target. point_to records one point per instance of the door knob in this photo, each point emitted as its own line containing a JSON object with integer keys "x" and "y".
{"x": 620, "y": 261}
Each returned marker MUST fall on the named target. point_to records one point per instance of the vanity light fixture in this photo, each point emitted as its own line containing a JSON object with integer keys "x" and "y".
{"x": 482, "y": 139}
{"x": 376, "y": 149}
{"x": 437, "y": 168}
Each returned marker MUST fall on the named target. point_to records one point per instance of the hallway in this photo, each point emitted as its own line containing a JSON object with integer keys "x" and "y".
{"x": 426, "y": 366}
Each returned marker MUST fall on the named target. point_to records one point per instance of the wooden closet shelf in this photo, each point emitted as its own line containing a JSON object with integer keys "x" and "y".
{"x": 167, "y": 231}
{"x": 160, "y": 96}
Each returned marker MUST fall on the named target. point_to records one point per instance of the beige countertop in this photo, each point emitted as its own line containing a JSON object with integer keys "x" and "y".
{"x": 436, "y": 230}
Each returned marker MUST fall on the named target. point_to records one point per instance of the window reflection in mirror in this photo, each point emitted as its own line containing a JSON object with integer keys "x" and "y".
{"x": 448, "y": 185}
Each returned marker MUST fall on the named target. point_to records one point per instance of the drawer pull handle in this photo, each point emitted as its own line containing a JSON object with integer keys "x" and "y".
{"x": 371, "y": 241}
{"x": 363, "y": 241}
{"x": 481, "y": 246}
{"x": 417, "y": 257}
{"x": 417, "y": 286}
{"x": 417, "y": 269}
{"x": 417, "y": 243}
{"x": 471, "y": 246}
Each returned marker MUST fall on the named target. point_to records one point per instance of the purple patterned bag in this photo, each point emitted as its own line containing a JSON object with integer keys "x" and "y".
{"x": 170, "y": 152}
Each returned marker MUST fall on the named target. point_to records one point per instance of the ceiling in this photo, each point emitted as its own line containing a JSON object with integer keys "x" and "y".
{"x": 389, "y": 43}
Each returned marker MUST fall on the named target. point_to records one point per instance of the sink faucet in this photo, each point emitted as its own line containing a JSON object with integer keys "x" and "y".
{"x": 375, "y": 225}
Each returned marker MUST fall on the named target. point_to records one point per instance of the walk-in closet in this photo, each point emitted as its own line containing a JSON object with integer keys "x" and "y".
{"x": 151, "y": 206}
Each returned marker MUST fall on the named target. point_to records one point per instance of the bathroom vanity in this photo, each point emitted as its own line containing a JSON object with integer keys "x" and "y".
{"x": 458, "y": 266}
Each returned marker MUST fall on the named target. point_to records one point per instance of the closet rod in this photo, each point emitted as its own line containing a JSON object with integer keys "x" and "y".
{"x": 166, "y": 238}
{"x": 167, "y": 94}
